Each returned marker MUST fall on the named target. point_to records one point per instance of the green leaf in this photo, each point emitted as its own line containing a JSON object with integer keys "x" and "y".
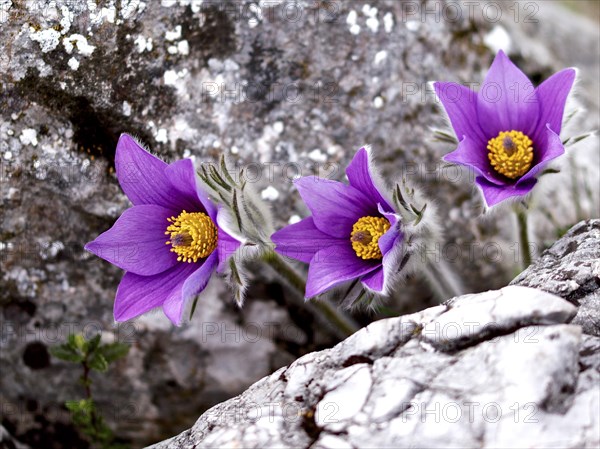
{"x": 98, "y": 362}
{"x": 235, "y": 275}
{"x": 194, "y": 307}
{"x": 236, "y": 210}
{"x": 225, "y": 171}
{"x": 93, "y": 344}
{"x": 443, "y": 136}
{"x": 569, "y": 116}
{"x": 419, "y": 213}
{"x": 573, "y": 140}
{"x": 399, "y": 198}
{"x": 549, "y": 171}
{"x": 216, "y": 176}
{"x": 67, "y": 353}
{"x": 76, "y": 341}
{"x": 114, "y": 351}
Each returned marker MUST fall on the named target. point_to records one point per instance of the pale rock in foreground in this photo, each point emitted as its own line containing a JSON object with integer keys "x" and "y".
{"x": 516, "y": 367}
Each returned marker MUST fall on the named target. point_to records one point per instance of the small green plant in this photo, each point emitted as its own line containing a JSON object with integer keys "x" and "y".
{"x": 91, "y": 355}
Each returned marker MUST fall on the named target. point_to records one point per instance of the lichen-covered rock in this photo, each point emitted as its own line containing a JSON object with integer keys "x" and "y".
{"x": 296, "y": 88}
{"x": 571, "y": 269}
{"x": 497, "y": 369}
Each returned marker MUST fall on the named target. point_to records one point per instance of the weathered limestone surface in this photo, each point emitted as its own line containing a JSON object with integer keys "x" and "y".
{"x": 571, "y": 269}
{"x": 75, "y": 74}
{"x": 516, "y": 367}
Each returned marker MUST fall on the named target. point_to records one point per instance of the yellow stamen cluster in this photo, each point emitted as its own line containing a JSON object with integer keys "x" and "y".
{"x": 511, "y": 153}
{"x": 192, "y": 236}
{"x": 365, "y": 236}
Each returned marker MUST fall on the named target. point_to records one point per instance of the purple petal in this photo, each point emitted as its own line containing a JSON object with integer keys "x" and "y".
{"x": 507, "y": 99}
{"x": 550, "y": 148}
{"x": 302, "y": 240}
{"x": 335, "y": 265}
{"x": 174, "y": 305}
{"x": 360, "y": 177}
{"x": 474, "y": 155}
{"x": 183, "y": 178}
{"x": 494, "y": 194}
{"x": 460, "y": 104}
{"x": 139, "y": 294}
{"x": 374, "y": 280}
{"x": 388, "y": 240}
{"x": 226, "y": 247}
{"x": 136, "y": 242}
{"x": 335, "y": 206}
{"x": 142, "y": 175}
{"x": 552, "y": 95}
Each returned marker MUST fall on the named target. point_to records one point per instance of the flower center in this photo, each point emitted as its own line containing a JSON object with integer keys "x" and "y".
{"x": 192, "y": 236}
{"x": 365, "y": 236}
{"x": 511, "y": 153}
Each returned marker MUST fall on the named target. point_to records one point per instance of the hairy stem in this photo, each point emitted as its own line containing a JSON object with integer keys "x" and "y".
{"x": 343, "y": 325}
{"x": 443, "y": 280}
{"x": 575, "y": 189}
{"x": 523, "y": 237}
{"x": 88, "y": 390}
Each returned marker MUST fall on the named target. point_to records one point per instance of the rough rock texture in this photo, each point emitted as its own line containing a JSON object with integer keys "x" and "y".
{"x": 319, "y": 80}
{"x": 571, "y": 269}
{"x": 496, "y": 369}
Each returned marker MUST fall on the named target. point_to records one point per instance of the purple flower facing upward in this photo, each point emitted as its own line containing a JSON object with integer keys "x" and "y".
{"x": 509, "y": 130}
{"x": 169, "y": 243}
{"x": 353, "y": 232}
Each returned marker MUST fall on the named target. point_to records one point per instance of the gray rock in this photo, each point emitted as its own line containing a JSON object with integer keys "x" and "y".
{"x": 517, "y": 376}
{"x": 74, "y": 75}
{"x": 571, "y": 269}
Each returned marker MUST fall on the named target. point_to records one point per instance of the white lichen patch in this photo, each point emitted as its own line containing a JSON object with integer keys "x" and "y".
{"x": 388, "y": 22}
{"x": 78, "y": 42}
{"x": 129, "y": 8}
{"x": 73, "y": 63}
{"x": 413, "y": 25}
{"x": 126, "y": 109}
{"x": 270, "y": 194}
{"x": 256, "y": 15}
{"x": 317, "y": 155}
{"x": 351, "y": 21}
{"x": 143, "y": 44}
{"x": 5, "y": 6}
{"x": 498, "y": 39}
{"x": 183, "y": 48}
{"x": 29, "y": 137}
{"x": 380, "y": 56}
{"x": 171, "y": 77}
{"x": 48, "y": 39}
{"x": 173, "y": 35}
{"x": 161, "y": 136}
{"x": 373, "y": 24}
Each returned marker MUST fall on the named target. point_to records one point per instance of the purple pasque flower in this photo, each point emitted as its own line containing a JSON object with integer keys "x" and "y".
{"x": 169, "y": 243}
{"x": 353, "y": 233}
{"x": 509, "y": 130}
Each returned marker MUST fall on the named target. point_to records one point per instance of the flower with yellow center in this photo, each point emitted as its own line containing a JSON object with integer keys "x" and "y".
{"x": 365, "y": 236}
{"x": 193, "y": 236}
{"x": 509, "y": 131}
{"x": 511, "y": 153}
